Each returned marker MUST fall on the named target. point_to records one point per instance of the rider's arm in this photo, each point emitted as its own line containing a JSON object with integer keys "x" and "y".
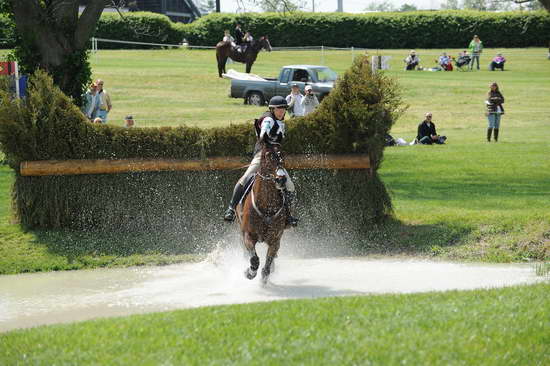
{"x": 267, "y": 124}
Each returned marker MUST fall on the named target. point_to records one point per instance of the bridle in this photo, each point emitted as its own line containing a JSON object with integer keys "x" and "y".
{"x": 279, "y": 181}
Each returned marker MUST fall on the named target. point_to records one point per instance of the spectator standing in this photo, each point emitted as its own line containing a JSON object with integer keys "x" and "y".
{"x": 497, "y": 63}
{"x": 91, "y": 102}
{"x": 427, "y": 134}
{"x": 105, "y": 105}
{"x": 495, "y": 110}
{"x": 412, "y": 61}
{"x": 129, "y": 121}
{"x": 294, "y": 100}
{"x": 476, "y": 47}
{"x": 309, "y": 101}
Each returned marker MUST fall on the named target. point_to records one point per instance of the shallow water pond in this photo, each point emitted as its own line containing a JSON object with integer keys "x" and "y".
{"x": 58, "y": 297}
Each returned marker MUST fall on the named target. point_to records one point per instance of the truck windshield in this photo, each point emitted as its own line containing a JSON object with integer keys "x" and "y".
{"x": 324, "y": 74}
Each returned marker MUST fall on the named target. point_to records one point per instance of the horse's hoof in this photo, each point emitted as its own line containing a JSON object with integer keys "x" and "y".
{"x": 250, "y": 274}
{"x": 265, "y": 275}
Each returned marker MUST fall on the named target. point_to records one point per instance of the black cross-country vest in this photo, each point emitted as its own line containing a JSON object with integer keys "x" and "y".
{"x": 273, "y": 136}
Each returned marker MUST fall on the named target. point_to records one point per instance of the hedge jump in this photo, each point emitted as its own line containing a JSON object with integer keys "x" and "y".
{"x": 78, "y": 167}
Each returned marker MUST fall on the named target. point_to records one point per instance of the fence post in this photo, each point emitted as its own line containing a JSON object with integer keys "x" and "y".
{"x": 323, "y": 55}
{"x": 352, "y": 54}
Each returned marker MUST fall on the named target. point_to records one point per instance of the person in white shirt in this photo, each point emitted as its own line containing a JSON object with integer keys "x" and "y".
{"x": 310, "y": 101}
{"x": 227, "y": 38}
{"x": 294, "y": 100}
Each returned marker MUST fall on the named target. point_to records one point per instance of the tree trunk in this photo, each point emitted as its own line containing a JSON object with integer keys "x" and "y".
{"x": 54, "y": 38}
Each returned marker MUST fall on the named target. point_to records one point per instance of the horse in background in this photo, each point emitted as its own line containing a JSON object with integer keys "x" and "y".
{"x": 262, "y": 213}
{"x": 224, "y": 50}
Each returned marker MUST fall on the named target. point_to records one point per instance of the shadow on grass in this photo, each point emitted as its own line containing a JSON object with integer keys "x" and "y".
{"x": 395, "y": 237}
{"x": 75, "y": 244}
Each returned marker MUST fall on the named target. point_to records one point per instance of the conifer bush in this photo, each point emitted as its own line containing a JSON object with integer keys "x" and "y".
{"x": 352, "y": 119}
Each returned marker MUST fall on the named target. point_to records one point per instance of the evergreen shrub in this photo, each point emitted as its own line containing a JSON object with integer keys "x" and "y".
{"x": 352, "y": 119}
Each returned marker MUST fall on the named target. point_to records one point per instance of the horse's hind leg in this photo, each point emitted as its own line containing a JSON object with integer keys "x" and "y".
{"x": 269, "y": 265}
{"x": 250, "y": 245}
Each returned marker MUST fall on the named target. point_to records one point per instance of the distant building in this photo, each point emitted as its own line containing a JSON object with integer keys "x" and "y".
{"x": 184, "y": 11}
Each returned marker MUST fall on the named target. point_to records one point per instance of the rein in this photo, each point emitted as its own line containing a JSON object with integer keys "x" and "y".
{"x": 267, "y": 219}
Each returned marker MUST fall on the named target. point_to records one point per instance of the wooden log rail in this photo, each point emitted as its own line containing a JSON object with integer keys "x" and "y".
{"x": 78, "y": 167}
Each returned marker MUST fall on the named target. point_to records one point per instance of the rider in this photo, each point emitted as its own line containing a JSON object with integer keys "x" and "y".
{"x": 270, "y": 128}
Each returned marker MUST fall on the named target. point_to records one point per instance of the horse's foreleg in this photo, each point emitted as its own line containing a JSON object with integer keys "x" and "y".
{"x": 224, "y": 62}
{"x": 269, "y": 265}
{"x": 250, "y": 245}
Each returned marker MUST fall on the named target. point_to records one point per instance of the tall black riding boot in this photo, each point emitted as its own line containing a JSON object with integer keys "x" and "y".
{"x": 489, "y": 132}
{"x": 496, "y": 134}
{"x": 238, "y": 192}
{"x": 289, "y": 199}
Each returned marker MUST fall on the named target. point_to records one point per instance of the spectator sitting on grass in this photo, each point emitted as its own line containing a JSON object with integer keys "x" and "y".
{"x": 427, "y": 134}
{"x": 497, "y": 63}
{"x": 463, "y": 59}
{"x": 129, "y": 122}
{"x": 445, "y": 62}
{"x": 412, "y": 61}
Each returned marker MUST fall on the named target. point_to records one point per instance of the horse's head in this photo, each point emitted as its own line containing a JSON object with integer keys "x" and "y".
{"x": 272, "y": 166}
{"x": 264, "y": 41}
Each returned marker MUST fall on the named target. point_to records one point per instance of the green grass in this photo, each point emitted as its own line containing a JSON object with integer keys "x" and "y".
{"x": 508, "y": 326}
{"x": 467, "y": 200}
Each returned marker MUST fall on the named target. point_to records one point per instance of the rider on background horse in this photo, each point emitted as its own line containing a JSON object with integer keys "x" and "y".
{"x": 270, "y": 129}
{"x": 239, "y": 35}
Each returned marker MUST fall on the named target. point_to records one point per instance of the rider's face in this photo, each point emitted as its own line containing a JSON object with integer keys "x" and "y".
{"x": 279, "y": 113}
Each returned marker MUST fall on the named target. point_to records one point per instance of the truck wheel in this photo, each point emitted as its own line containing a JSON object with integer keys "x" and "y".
{"x": 256, "y": 98}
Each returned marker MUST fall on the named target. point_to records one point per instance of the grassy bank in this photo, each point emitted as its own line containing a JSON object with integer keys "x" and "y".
{"x": 467, "y": 200}
{"x": 491, "y": 327}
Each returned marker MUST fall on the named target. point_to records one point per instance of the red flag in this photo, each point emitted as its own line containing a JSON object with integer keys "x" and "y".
{"x": 7, "y": 68}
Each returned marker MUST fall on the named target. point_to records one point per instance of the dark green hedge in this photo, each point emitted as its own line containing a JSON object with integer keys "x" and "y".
{"x": 423, "y": 29}
{"x": 354, "y": 118}
{"x": 138, "y": 27}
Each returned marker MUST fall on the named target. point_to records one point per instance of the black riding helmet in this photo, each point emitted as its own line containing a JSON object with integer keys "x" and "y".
{"x": 278, "y": 102}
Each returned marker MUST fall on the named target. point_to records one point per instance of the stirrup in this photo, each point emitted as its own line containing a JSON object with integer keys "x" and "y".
{"x": 229, "y": 215}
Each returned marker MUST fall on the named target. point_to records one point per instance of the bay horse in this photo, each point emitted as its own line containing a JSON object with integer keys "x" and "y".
{"x": 224, "y": 50}
{"x": 262, "y": 214}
